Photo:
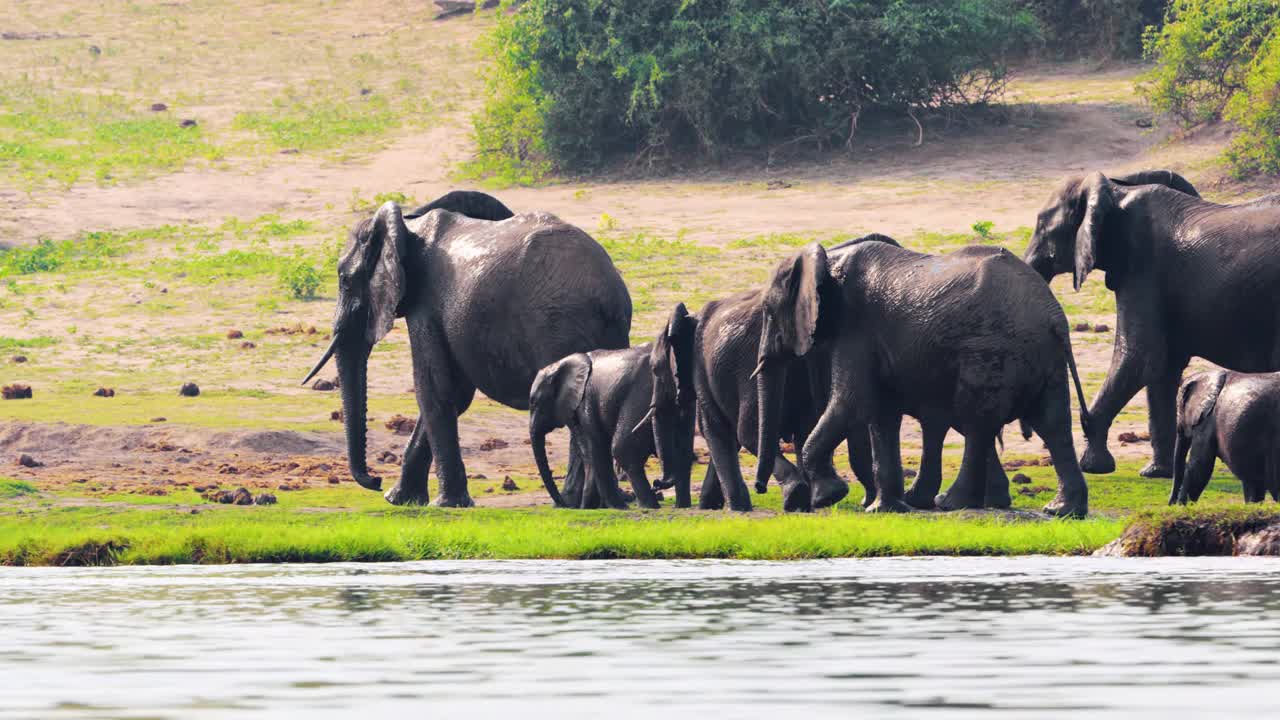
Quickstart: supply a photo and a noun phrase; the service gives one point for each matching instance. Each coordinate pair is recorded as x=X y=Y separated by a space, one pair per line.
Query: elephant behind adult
x=1233 y=416
x=487 y=302
x=1191 y=278
x=971 y=340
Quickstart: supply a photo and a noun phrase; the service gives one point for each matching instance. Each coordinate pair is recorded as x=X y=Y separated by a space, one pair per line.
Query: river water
x=929 y=637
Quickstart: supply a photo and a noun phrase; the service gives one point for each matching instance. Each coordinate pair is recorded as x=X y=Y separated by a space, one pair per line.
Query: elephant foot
x=869 y=492
x=919 y=498
x=797 y=497
x=663 y=484
x=883 y=505
x=709 y=503
x=1097 y=460
x=1064 y=506
x=462 y=500
x=401 y=495
x=829 y=492
x=369 y=482
x=958 y=499
x=762 y=487
x=1156 y=470
x=998 y=499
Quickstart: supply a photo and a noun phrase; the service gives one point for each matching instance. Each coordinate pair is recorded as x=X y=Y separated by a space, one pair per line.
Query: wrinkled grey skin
x=741 y=408
x=1233 y=416
x=487 y=303
x=1191 y=278
x=608 y=399
x=971 y=340
x=724 y=335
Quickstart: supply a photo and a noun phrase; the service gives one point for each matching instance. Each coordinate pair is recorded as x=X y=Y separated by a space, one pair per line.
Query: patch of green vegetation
x=326 y=118
x=784 y=241
x=300 y=279
x=10 y=489
x=274 y=534
x=48 y=134
x=90 y=251
x=8 y=344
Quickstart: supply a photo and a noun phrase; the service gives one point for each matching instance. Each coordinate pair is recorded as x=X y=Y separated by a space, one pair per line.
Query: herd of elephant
x=837 y=346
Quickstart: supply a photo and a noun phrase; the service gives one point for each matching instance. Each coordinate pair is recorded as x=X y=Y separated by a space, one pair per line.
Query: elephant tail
x=1085 y=419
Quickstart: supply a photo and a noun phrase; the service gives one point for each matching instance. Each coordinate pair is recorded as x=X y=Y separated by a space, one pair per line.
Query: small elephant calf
x=1230 y=415
x=621 y=406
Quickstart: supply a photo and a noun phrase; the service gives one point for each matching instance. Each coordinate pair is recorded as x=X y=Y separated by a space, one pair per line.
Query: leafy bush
x=1221 y=58
x=300 y=278
x=576 y=82
x=1108 y=28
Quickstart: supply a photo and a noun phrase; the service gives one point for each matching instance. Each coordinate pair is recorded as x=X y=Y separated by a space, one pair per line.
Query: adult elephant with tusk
x=971 y=340
x=488 y=298
x=1191 y=279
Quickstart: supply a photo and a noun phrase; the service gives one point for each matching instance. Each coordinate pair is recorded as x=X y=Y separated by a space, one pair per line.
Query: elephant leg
x=1124 y=380
x=997 y=495
x=1162 y=399
x=928 y=481
x=414 y=467
x=645 y=496
x=861 y=461
x=721 y=438
x=885 y=436
x=796 y=494
x=1052 y=422
x=712 y=495
x=441 y=394
x=1200 y=461
x=596 y=449
x=575 y=476
x=815 y=459
x=970 y=488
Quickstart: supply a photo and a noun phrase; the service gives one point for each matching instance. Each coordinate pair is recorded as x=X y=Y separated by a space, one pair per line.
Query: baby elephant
x=1229 y=415
x=621 y=406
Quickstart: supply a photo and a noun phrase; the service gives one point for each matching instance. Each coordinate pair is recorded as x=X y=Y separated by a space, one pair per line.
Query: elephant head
x=1073 y=233
x=371 y=286
x=798 y=312
x=1196 y=425
x=554 y=398
x=672 y=409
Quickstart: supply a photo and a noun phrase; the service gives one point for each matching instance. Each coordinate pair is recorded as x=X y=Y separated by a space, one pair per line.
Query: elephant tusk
x=647 y=417
x=327 y=354
x=757 y=371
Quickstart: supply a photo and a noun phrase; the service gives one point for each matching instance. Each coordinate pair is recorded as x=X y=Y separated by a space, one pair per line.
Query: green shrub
x=1106 y=28
x=300 y=278
x=1221 y=58
x=575 y=83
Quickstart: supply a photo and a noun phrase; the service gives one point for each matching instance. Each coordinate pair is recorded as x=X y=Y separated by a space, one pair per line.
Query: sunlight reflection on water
x=961 y=636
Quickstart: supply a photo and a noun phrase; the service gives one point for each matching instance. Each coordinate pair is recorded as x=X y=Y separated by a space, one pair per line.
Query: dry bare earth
x=1062 y=120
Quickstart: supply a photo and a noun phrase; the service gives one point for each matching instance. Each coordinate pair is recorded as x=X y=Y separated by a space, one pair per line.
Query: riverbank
x=110 y=536
x=65 y=522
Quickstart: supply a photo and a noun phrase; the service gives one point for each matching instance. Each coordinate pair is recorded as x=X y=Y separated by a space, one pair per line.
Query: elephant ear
x=571 y=376
x=1212 y=383
x=384 y=249
x=1099 y=200
x=796 y=298
x=675 y=345
x=1168 y=178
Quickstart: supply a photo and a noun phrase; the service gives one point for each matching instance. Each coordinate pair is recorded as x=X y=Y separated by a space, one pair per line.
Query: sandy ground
x=885 y=184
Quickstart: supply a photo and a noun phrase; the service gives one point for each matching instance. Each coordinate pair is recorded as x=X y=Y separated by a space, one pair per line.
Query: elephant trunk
x=353 y=367
x=769 y=385
x=538 y=441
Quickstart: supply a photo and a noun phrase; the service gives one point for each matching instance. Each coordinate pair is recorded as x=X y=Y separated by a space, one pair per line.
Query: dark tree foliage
x=576 y=82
